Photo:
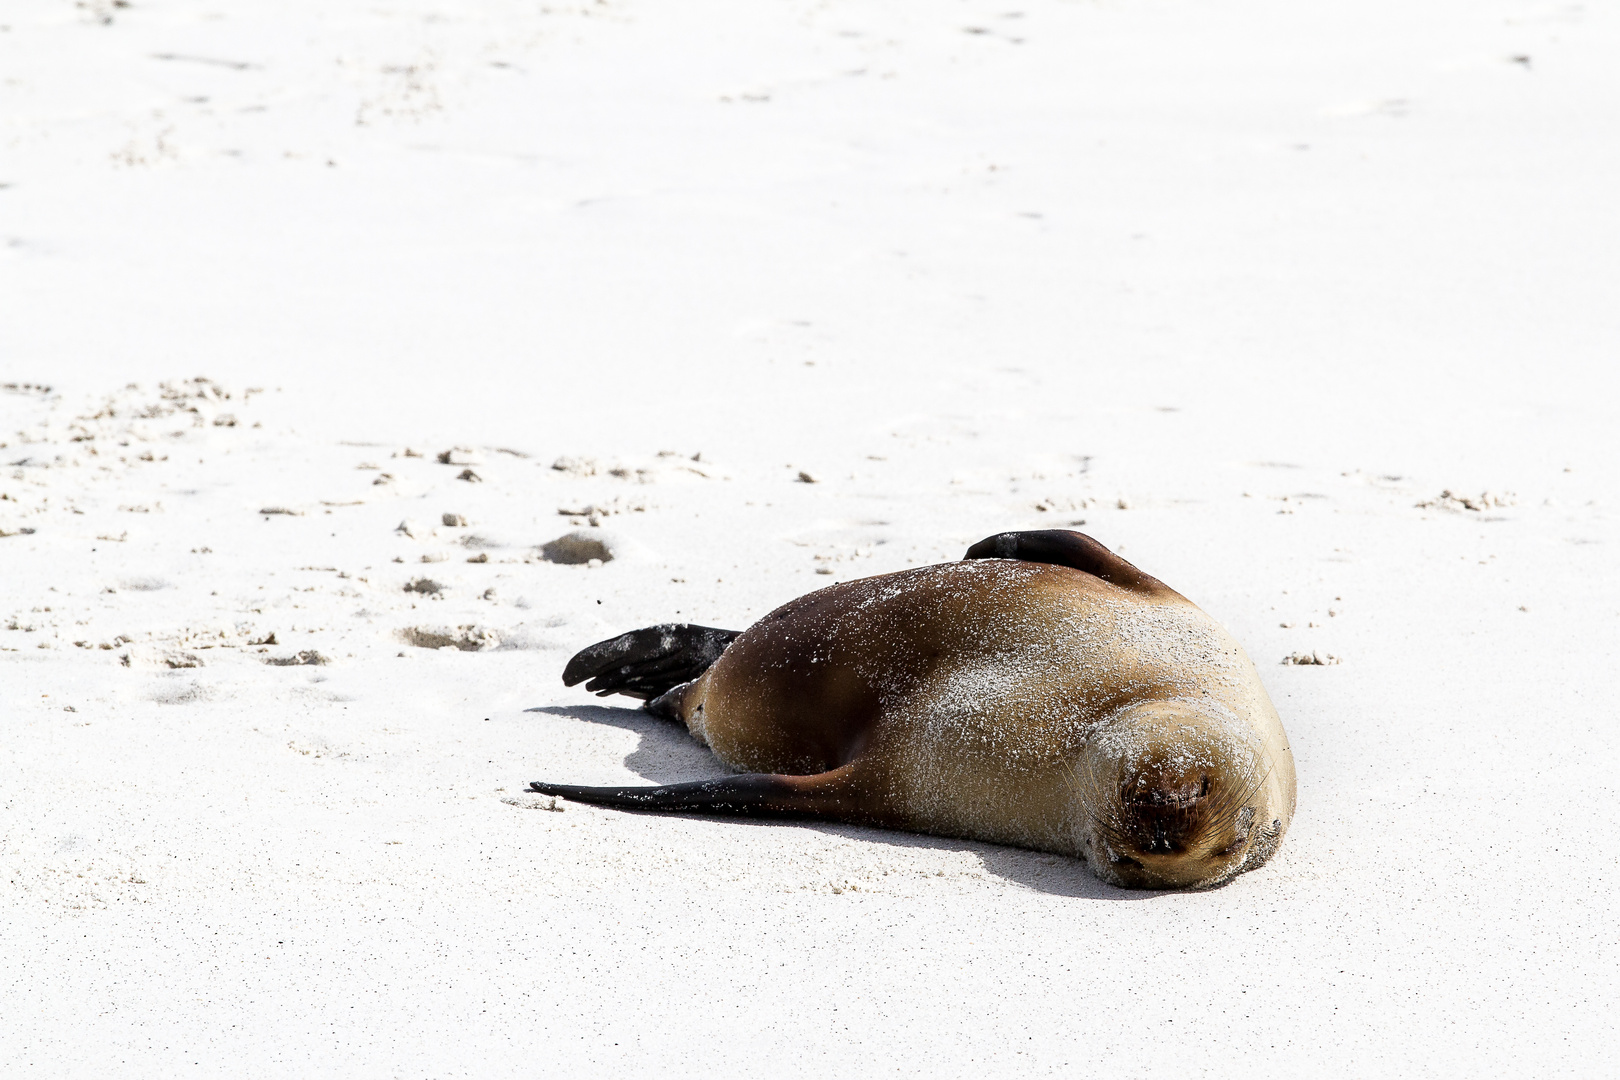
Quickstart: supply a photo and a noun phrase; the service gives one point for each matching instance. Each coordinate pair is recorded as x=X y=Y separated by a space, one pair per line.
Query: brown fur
x=1100 y=715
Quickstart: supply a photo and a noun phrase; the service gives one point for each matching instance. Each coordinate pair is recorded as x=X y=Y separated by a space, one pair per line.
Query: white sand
x=1239 y=285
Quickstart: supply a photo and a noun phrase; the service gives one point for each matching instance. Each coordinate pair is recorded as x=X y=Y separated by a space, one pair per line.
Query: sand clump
x=1485 y=500
x=302 y=658
x=668 y=465
x=1312 y=659
x=554 y=803
x=577 y=548
x=465 y=638
x=595 y=512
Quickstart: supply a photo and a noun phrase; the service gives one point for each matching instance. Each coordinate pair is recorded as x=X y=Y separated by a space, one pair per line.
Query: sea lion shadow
x=1056 y=875
x=667 y=754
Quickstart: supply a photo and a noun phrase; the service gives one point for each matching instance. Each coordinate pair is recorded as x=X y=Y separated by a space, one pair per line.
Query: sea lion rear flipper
x=824 y=795
x=646 y=663
x=1065 y=547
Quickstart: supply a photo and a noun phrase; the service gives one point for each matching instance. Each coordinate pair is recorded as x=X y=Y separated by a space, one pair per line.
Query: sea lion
x=1042 y=693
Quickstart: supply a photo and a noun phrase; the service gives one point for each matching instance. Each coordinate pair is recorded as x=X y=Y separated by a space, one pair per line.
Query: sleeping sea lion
x=1042 y=693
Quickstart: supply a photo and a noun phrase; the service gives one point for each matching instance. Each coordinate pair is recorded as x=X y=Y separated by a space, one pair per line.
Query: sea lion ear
x=1064 y=547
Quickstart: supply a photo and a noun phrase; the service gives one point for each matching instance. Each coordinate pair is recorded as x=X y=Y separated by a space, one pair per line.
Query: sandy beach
x=318 y=321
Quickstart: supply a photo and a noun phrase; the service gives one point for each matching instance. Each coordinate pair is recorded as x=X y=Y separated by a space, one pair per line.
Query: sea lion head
x=1175 y=795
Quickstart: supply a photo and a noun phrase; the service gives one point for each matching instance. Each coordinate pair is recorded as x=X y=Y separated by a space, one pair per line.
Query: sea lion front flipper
x=646 y=663
x=1065 y=547
x=824 y=795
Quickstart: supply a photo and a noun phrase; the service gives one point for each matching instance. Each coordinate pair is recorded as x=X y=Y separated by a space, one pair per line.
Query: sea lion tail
x=825 y=795
x=646 y=663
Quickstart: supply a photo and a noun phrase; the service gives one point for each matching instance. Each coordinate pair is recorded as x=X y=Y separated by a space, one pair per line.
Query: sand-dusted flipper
x=1065 y=547
x=646 y=663
x=824 y=795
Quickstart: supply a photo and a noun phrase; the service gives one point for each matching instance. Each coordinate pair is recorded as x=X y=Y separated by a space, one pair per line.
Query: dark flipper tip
x=645 y=663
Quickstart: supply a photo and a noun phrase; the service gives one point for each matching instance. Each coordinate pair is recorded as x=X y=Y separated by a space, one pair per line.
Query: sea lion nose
x=1161 y=813
x=1170 y=791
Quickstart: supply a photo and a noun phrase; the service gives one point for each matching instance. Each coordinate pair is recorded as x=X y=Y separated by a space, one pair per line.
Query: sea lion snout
x=1169 y=795
x=1162 y=811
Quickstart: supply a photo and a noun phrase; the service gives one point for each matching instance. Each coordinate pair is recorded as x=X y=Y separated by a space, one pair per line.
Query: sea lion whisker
x=1239 y=804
